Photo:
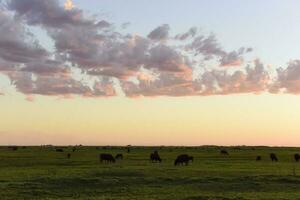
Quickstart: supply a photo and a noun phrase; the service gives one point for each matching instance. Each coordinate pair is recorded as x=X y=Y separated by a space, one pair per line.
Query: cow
x=258 y=158
x=119 y=156
x=273 y=157
x=154 y=157
x=106 y=158
x=224 y=152
x=59 y=150
x=13 y=148
x=183 y=159
x=297 y=157
x=68 y=155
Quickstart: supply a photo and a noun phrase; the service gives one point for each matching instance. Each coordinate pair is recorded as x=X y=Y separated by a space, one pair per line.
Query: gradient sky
x=232 y=96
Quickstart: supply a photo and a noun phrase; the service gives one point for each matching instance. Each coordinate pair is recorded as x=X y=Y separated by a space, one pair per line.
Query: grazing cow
x=258 y=158
x=74 y=149
x=59 y=150
x=119 y=156
x=297 y=157
x=224 y=152
x=13 y=148
x=69 y=155
x=154 y=157
x=183 y=159
x=107 y=158
x=273 y=157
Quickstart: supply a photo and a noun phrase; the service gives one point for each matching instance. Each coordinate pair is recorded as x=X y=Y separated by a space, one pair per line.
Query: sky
x=140 y=72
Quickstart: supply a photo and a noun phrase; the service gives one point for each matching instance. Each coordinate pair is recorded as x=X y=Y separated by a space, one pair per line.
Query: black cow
x=297 y=157
x=258 y=158
x=183 y=159
x=106 y=158
x=224 y=152
x=119 y=156
x=13 y=148
x=59 y=150
x=154 y=157
x=273 y=157
x=68 y=155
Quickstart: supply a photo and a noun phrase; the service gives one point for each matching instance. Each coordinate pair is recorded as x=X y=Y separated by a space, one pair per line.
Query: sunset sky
x=140 y=72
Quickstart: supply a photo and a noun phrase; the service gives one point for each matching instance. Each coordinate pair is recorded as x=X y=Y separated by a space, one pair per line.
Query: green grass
x=41 y=173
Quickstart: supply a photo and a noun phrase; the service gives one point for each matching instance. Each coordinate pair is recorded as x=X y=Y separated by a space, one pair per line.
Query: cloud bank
x=92 y=59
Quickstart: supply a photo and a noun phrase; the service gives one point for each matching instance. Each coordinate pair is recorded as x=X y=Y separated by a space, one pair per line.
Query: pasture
x=44 y=174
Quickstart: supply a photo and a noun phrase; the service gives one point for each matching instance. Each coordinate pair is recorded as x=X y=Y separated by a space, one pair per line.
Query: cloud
x=209 y=48
x=166 y=58
x=46 y=67
x=288 y=80
x=69 y=5
x=160 y=33
x=253 y=79
x=234 y=58
x=31 y=84
x=116 y=55
x=91 y=58
x=206 y=46
x=6 y=66
x=48 y=13
x=166 y=84
x=189 y=34
x=16 y=44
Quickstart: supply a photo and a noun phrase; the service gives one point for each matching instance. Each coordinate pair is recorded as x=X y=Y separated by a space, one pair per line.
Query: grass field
x=41 y=173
